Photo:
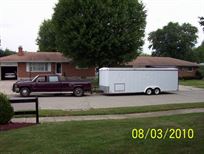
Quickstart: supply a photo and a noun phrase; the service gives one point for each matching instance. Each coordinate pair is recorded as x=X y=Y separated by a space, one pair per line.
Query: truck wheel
x=25 y=92
x=78 y=91
x=156 y=91
x=149 y=91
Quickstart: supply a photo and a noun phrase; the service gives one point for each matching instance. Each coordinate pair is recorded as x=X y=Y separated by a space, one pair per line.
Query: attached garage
x=8 y=71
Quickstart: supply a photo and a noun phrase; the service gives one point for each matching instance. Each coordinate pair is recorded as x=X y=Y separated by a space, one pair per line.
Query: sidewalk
x=108 y=117
x=188 y=88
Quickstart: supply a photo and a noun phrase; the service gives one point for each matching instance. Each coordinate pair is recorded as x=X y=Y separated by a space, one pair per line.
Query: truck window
x=41 y=79
x=53 y=79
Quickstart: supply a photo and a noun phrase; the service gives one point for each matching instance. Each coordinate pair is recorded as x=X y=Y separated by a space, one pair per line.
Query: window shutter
x=49 y=67
x=27 y=67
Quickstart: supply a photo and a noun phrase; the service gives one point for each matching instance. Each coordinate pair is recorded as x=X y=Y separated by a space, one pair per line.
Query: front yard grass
x=105 y=136
x=121 y=110
x=194 y=83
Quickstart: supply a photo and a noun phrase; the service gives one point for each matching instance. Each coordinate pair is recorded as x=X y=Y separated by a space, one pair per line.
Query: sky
x=20 y=19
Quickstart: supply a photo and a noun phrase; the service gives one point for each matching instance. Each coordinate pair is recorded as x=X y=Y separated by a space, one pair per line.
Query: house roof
x=36 y=57
x=143 y=61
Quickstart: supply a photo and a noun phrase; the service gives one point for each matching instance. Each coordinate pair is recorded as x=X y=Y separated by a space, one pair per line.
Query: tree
x=99 y=33
x=6 y=52
x=46 y=36
x=174 y=40
x=201 y=22
x=199 y=53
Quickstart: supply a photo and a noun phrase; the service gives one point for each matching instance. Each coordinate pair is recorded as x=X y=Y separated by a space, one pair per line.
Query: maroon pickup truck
x=51 y=83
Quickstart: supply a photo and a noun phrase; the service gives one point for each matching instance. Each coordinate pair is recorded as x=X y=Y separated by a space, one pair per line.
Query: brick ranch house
x=27 y=65
x=186 y=69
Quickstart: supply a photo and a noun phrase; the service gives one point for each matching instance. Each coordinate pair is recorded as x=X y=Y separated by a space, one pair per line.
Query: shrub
x=198 y=75
x=201 y=70
x=6 y=110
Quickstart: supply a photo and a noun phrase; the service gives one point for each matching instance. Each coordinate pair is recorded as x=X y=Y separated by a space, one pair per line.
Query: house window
x=38 y=67
x=182 y=69
x=190 y=69
x=58 y=68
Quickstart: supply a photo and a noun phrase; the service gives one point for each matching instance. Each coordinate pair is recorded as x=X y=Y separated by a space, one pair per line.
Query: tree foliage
x=6 y=52
x=199 y=54
x=99 y=33
x=46 y=36
x=201 y=22
x=174 y=40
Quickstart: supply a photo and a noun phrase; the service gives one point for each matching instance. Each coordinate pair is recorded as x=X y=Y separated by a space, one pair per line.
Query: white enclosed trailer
x=136 y=80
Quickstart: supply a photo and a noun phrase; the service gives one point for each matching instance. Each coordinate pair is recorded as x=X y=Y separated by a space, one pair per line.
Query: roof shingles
x=143 y=61
x=36 y=57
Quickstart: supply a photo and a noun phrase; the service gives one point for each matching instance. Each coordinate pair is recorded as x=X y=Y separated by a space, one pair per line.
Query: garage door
x=8 y=73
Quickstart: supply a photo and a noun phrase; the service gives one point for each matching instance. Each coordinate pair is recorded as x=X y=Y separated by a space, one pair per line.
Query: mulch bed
x=14 y=125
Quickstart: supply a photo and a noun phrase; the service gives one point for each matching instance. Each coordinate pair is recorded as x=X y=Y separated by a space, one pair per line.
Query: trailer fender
x=152 y=87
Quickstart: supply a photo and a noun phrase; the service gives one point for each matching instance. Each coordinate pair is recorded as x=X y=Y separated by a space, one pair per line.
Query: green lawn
x=194 y=83
x=106 y=136
x=122 y=110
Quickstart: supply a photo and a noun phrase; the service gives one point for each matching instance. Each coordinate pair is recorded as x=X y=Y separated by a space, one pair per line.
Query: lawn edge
x=120 y=110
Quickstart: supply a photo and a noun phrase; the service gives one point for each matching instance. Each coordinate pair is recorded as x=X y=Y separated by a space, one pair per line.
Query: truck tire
x=25 y=92
x=149 y=91
x=78 y=91
x=156 y=91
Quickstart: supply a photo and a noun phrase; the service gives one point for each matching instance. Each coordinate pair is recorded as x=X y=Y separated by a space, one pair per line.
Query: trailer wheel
x=25 y=92
x=78 y=91
x=149 y=91
x=156 y=91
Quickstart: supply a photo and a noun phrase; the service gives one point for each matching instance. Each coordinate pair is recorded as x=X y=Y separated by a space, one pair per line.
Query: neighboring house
x=26 y=65
x=186 y=69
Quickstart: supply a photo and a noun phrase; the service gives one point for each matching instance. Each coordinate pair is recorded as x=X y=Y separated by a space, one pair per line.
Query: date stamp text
x=168 y=133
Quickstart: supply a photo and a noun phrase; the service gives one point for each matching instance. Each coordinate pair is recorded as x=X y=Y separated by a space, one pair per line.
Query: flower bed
x=14 y=125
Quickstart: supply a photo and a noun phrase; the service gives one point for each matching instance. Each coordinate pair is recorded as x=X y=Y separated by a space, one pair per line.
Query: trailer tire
x=157 y=91
x=78 y=92
x=149 y=91
x=24 y=92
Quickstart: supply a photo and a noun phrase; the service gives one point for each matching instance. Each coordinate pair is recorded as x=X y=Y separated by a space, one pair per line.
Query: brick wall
x=23 y=74
x=68 y=70
x=185 y=72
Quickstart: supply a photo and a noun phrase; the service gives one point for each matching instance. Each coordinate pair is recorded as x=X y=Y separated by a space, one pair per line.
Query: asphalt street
x=103 y=101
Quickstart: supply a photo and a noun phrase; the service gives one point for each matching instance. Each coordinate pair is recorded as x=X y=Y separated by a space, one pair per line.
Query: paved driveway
x=6 y=87
x=69 y=102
